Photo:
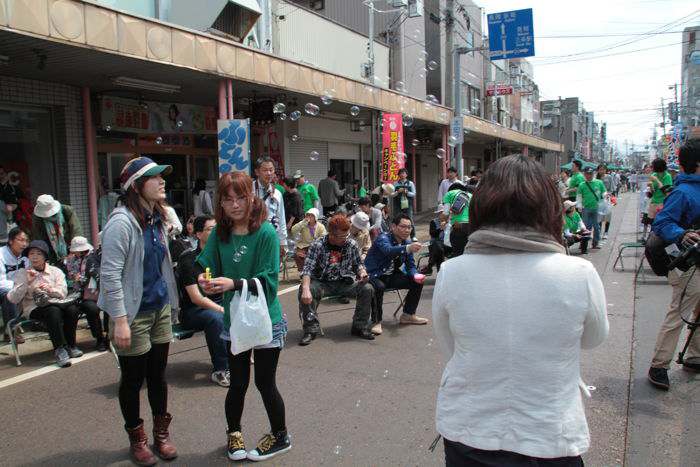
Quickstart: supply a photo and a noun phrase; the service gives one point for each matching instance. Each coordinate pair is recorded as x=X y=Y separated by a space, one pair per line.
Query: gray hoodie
x=121 y=270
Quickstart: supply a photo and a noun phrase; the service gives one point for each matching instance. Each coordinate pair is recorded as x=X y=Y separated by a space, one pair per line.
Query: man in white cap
x=56 y=224
x=309 y=195
x=359 y=231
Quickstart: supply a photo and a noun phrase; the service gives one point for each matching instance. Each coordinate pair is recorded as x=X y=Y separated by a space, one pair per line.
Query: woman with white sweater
x=511 y=316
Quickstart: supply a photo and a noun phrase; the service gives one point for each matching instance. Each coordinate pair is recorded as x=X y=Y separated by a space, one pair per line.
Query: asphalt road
x=354 y=402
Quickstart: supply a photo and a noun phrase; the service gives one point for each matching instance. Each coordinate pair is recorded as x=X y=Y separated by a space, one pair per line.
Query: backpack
x=460 y=202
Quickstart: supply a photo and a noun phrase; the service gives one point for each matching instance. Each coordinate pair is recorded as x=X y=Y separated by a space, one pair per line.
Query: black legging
x=265 y=371
x=151 y=367
x=60 y=321
x=92 y=315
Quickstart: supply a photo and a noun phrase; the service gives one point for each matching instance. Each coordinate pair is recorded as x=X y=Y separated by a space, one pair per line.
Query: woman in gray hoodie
x=137 y=290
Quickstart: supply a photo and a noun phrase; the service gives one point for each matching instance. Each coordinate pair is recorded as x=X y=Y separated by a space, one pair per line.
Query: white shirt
x=9 y=265
x=511 y=327
x=275 y=209
x=202 y=204
x=443 y=189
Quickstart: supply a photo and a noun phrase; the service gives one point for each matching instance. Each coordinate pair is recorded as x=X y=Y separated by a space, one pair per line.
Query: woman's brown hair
x=241 y=185
x=132 y=200
x=516 y=191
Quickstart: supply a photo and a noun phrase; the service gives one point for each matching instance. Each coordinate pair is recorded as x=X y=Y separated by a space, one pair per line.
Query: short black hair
x=452 y=169
x=332 y=173
x=356 y=182
x=364 y=201
x=15 y=231
x=264 y=159
x=689 y=156
x=200 y=222
x=399 y=217
x=577 y=163
x=659 y=165
x=290 y=182
x=403 y=169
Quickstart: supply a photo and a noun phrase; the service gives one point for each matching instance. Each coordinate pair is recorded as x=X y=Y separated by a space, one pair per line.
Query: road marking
x=50 y=368
x=46 y=369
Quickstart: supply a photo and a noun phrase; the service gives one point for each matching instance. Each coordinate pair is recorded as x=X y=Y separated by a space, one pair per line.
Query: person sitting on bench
x=333 y=267
x=200 y=312
x=390 y=253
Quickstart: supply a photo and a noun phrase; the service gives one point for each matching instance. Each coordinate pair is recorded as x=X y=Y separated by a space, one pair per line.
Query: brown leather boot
x=140 y=453
x=161 y=437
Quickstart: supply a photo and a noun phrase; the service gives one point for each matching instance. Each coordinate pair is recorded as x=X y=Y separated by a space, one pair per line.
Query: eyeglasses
x=342 y=235
x=238 y=200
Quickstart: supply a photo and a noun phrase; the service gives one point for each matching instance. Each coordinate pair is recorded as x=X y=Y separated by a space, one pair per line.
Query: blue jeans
x=212 y=323
x=9 y=309
x=590 y=218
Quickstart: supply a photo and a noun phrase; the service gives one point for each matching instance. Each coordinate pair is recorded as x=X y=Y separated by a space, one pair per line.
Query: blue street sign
x=511 y=34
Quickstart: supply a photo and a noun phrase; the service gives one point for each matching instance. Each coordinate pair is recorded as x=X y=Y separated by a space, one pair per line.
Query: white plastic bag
x=250 y=320
x=604 y=207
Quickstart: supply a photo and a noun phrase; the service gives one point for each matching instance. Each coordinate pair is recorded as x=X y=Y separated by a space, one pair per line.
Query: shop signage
x=500 y=90
x=393 y=157
x=457 y=129
x=234 y=145
x=133 y=116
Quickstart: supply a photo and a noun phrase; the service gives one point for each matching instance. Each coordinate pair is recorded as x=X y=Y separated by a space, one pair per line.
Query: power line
x=610 y=55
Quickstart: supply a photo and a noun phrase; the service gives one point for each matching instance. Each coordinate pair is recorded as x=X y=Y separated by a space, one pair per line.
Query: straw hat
x=46 y=206
x=360 y=221
x=79 y=244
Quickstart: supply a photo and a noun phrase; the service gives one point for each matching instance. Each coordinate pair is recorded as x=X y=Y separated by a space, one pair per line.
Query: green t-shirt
x=658 y=196
x=576 y=179
x=462 y=217
x=279 y=188
x=260 y=258
x=362 y=192
x=309 y=195
x=572 y=222
x=590 y=200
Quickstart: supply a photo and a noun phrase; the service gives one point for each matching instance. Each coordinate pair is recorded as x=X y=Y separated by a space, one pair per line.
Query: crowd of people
x=492 y=227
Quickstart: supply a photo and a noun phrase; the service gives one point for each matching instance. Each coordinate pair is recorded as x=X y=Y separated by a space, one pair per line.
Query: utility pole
x=663 y=117
x=449 y=46
x=370 y=46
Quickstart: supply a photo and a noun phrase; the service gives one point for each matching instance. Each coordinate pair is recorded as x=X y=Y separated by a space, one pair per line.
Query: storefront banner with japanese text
x=393 y=157
x=234 y=145
x=134 y=116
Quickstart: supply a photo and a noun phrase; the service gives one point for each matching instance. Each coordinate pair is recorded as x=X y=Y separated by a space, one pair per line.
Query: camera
x=689 y=258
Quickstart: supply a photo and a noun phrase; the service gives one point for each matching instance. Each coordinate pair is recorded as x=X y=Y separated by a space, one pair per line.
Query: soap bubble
x=294 y=116
x=386 y=373
x=432 y=65
x=108 y=127
x=314 y=155
x=415 y=142
x=466 y=111
x=159 y=140
x=432 y=99
x=311 y=109
x=421 y=75
x=452 y=141
x=440 y=153
x=354 y=111
x=407 y=120
x=357 y=404
x=180 y=123
x=443 y=115
x=337 y=450
x=400 y=86
x=294 y=138
x=283 y=116
x=327 y=99
x=279 y=107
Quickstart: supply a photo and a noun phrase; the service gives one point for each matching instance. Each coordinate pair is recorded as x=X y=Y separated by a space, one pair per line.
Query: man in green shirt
x=658 y=181
x=574 y=228
x=456 y=205
x=576 y=179
x=589 y=194
x=308 y=192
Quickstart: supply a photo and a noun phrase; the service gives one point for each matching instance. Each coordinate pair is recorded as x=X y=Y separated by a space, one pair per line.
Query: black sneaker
x=271 y=445
x=236 y=447
x=307 y=338
x=659 y=378
x=364 y=333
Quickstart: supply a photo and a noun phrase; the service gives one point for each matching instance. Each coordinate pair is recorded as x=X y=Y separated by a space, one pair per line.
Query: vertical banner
x=393 y=156
x=234 y=145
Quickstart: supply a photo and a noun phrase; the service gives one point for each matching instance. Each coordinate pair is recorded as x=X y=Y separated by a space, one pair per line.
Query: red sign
x=393 y=157
x=500 y=90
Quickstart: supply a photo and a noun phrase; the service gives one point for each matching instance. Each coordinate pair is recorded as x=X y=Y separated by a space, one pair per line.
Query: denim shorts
x=279 y=336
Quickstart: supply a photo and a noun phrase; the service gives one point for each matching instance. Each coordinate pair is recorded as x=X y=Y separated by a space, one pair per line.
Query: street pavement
x=354 y=402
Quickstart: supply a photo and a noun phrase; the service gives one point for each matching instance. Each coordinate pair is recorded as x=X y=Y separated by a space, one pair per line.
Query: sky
x=624 y=89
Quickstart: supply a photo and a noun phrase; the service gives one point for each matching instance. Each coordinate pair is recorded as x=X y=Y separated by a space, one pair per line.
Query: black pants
x=151 y=367
x=459 y=236
x=60 y=321
x=437 y=251
x=265 y=373
x=398 y=280
x=92 y=315
x=460 y=455
x=329 y=211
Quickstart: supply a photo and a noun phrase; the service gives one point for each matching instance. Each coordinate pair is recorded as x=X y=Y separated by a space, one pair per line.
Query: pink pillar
x=413 y=175
x=446 y=159
x=526 y=151
x=222 y=100
x=229 y=85
x=89 y=131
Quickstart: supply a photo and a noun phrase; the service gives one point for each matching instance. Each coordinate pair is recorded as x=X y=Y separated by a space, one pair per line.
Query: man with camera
x=676 y=224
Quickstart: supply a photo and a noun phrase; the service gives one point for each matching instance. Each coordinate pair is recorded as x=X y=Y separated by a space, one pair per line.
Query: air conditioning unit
x=415 y=8
x=399 y=3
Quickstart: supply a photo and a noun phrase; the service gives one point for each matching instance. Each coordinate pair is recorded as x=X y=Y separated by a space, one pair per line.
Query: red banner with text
x=393 y=156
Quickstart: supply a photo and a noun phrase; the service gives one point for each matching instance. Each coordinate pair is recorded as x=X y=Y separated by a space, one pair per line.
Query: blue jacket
x=381 y=256
x=681 y=209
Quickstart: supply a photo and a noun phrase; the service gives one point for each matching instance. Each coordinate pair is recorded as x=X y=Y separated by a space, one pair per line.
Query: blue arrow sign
x=511 y=34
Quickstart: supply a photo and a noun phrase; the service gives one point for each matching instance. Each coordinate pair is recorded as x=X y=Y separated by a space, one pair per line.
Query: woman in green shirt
x=574 y=229
x=244 y=246
x=658 y=181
